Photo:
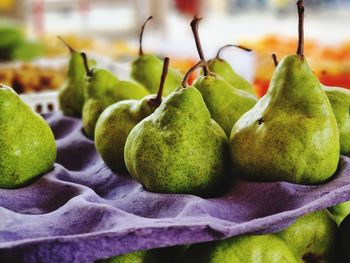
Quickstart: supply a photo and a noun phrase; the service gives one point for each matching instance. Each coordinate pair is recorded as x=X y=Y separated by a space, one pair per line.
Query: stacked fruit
x=188 y=142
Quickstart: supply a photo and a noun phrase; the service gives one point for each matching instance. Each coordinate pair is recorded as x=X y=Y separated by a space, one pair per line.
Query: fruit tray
x=81 y=211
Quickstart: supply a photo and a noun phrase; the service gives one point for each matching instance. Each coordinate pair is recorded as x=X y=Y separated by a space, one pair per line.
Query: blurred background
x=33 y=59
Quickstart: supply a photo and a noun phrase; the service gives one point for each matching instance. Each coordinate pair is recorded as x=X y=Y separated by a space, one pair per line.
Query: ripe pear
x=340 y=211
x=179 y=148
x=242 y=249
x=27 y=144
x=147 y=69
x=71 y=94
x=116 y=122
x=103 y=89
x=225 y=102
x=340 y=102
x=222 y=68
x=291 y=134
x=312 y=237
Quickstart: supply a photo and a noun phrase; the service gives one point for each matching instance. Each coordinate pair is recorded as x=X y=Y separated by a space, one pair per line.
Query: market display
x=172 y=167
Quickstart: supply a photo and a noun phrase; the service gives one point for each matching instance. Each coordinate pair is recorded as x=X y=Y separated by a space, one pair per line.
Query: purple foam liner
x=81 y=211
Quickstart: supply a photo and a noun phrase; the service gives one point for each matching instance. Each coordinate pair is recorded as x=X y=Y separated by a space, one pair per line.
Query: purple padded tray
x=81 y=211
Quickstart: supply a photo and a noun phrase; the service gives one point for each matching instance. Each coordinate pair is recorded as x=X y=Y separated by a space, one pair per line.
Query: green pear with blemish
x=225 y=102
x=222 y=68
x=179 y=148
x=147 y=70
x=291 y=134
x=27 y=144
x=116 y=122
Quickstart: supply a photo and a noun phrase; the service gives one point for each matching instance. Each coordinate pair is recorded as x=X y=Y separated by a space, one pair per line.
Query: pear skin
x=178 y=148
x=27 y=144
x=293 y=123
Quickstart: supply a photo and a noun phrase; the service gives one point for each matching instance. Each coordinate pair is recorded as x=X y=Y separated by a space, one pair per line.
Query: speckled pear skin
x=179 y=148
x=222 y=68
x=313 y=237
x=71 y=94
x=147 y=69
x=242 y=249
x=27 y=144
x=114 y=126
x=340 y=102
x=225 y=103
x=104 y=89
x=291 y=134
x=134 y=257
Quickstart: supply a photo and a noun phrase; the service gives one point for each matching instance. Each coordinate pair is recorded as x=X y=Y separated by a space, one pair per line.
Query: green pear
x=147 y=69
x=179 y=148
x=116 y=122
x=344 y=240
x=312 y=237
x=222 y=68
x=241 y=249
x=225 y=102
x=103 y=89
x=291 y=134
x=340 y=102
x=27 y=144
x=71 y=94
x=340 y=211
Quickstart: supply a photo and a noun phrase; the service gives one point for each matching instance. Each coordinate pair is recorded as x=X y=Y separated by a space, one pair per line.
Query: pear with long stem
x=225 y=102
x=147 y=69
x=291 y=134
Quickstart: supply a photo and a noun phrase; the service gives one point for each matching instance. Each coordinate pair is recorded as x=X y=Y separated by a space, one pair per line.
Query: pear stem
x=226 y=46
x=86 y=64
x=66 y=44
x=194 y=26
x=274 y=58
x=158 y=99
x=184 y=82
x=141 y=35
x=300 y=50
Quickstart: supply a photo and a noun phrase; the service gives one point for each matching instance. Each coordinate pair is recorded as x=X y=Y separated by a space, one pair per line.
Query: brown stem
x=238 y=46
x=86 y=64
x=300 y=50
x=141 y=35
x=184 y=82
x=274 y=58
x=194 y=26
x=66 y=44
x=155 y=102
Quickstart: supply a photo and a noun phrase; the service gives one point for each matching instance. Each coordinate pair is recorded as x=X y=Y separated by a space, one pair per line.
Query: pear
x=27 y=144
x=179 y=148
x=312 y=237
x=116 y=122
x=222 y=68
x=103 y=89
x=242 y=249
x=340 y=102
x=340 y=211
x=291 y=134
x=147 y=69
x=225 y=102
x=71 y=94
